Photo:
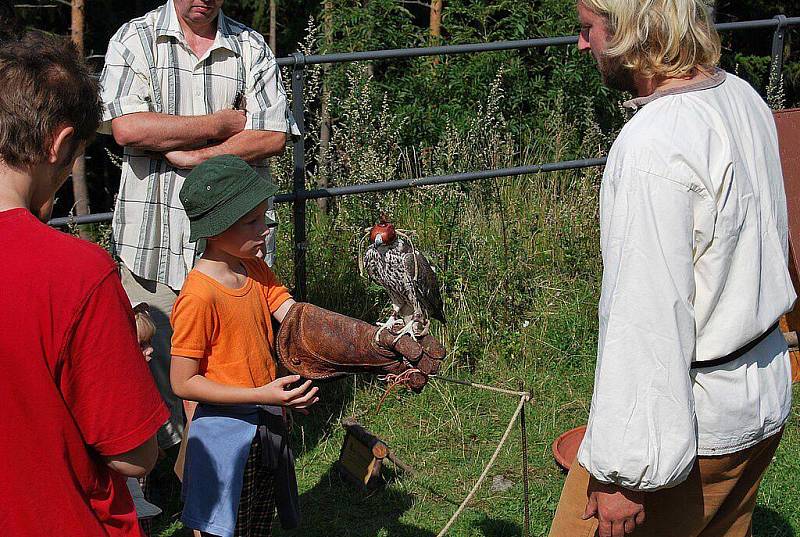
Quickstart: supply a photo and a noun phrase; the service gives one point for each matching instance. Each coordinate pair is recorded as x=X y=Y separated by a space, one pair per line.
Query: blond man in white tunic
x=692 y=387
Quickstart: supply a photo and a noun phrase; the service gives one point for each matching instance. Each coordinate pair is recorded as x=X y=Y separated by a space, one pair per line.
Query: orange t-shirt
x=229 y=330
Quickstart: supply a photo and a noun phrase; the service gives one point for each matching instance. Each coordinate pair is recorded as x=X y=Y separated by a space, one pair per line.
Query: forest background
x=518 y=258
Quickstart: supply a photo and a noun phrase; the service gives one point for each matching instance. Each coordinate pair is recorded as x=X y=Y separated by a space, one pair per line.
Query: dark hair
x=44 y=84
x=9 y=25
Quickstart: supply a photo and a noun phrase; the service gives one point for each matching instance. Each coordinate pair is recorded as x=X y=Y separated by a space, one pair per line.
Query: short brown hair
x=44 y=84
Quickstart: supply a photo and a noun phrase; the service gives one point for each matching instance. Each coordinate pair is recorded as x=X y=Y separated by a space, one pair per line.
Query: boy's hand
x=147 y=351
x=278 y=393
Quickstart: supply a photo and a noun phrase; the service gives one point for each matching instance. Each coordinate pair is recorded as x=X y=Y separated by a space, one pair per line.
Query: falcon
x=395 y=264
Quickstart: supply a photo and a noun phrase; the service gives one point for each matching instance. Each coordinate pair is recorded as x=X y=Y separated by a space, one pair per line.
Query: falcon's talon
x=421 y=332
x=389 y=323
x=408 y=329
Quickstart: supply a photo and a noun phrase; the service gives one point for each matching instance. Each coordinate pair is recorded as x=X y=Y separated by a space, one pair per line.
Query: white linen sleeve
x=642 y=428
x=124 y=84
x=267 y=107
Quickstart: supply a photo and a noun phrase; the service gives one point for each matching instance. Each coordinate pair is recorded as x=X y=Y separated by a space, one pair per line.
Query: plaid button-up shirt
x=149 y=67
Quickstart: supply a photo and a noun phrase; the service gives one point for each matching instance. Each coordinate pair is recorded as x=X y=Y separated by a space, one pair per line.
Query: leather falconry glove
x=319 y=344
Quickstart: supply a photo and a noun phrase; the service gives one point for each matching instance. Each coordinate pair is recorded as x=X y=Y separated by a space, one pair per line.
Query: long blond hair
x=659 y=38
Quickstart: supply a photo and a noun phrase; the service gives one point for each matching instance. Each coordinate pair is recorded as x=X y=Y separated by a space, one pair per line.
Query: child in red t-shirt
x=223 y=355
x=80 y=409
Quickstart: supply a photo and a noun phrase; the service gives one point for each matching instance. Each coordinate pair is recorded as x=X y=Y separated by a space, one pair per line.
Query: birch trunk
x=436 y=26
x=273 y=26
x=436 y=20
x=80 y=190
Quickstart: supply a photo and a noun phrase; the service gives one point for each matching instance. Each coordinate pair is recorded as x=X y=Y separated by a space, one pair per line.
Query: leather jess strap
x=737 y=353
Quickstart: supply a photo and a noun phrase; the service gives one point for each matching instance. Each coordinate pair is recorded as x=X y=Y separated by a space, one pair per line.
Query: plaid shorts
x=257 y=502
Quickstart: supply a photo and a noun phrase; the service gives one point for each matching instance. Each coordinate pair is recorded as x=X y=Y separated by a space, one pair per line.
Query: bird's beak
x=378 y=240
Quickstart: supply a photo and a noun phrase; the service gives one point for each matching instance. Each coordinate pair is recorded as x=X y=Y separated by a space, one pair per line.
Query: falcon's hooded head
x=382 y=233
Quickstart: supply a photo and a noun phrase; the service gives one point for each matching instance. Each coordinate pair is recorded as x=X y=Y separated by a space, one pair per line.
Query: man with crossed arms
x=180 y=85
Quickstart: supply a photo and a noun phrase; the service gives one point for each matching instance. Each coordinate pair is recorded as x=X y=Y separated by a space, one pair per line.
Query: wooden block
x=362 y=456
x=358 y=464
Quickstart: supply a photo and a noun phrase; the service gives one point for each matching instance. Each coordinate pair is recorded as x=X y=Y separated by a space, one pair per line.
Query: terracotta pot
x=565 y=448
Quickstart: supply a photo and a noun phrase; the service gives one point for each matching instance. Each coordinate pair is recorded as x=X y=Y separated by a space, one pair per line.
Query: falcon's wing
x=426 y=286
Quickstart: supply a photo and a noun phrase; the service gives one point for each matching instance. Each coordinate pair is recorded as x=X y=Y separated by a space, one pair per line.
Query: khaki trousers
x=716 y=500
x=160 y=298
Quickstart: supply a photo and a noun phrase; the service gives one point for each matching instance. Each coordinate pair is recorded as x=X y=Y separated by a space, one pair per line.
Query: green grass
x=521 y=312
x=447 y=435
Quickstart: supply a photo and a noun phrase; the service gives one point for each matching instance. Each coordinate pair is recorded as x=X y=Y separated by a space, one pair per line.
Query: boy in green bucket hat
x=238 y=466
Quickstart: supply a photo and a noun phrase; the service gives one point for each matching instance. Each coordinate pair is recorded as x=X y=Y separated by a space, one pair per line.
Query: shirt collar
x=717 y=77
x=226 y=37
x=168 y=25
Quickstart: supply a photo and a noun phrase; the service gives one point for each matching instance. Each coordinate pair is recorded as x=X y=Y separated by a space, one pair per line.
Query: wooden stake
x=400 y=464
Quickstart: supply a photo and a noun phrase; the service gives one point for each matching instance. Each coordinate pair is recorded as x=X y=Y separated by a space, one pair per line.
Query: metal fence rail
x=299 y=195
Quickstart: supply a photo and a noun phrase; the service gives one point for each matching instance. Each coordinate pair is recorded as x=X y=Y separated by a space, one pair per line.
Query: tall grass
x=518 y=263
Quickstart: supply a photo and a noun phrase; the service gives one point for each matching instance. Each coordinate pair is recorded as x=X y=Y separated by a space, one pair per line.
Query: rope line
x=481 y=386
x=524 y=397
x=522 y=400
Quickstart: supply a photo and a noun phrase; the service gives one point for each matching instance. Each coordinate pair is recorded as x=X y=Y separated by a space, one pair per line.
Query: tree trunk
x=436 y=20
x=80 y=190
x=273 y=26
x=370 y=63
x=436 y=26
x=324 y=108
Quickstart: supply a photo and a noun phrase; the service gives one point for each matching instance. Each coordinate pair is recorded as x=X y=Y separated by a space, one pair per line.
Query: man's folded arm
x=152 y=131
x=249 y=145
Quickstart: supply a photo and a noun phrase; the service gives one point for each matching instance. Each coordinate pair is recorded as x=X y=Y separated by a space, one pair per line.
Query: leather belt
x=737 y=353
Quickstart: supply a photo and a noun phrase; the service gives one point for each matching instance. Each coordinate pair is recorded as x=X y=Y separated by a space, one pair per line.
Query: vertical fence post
x=299 y=176
x=526 y=509
x=776 y=68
